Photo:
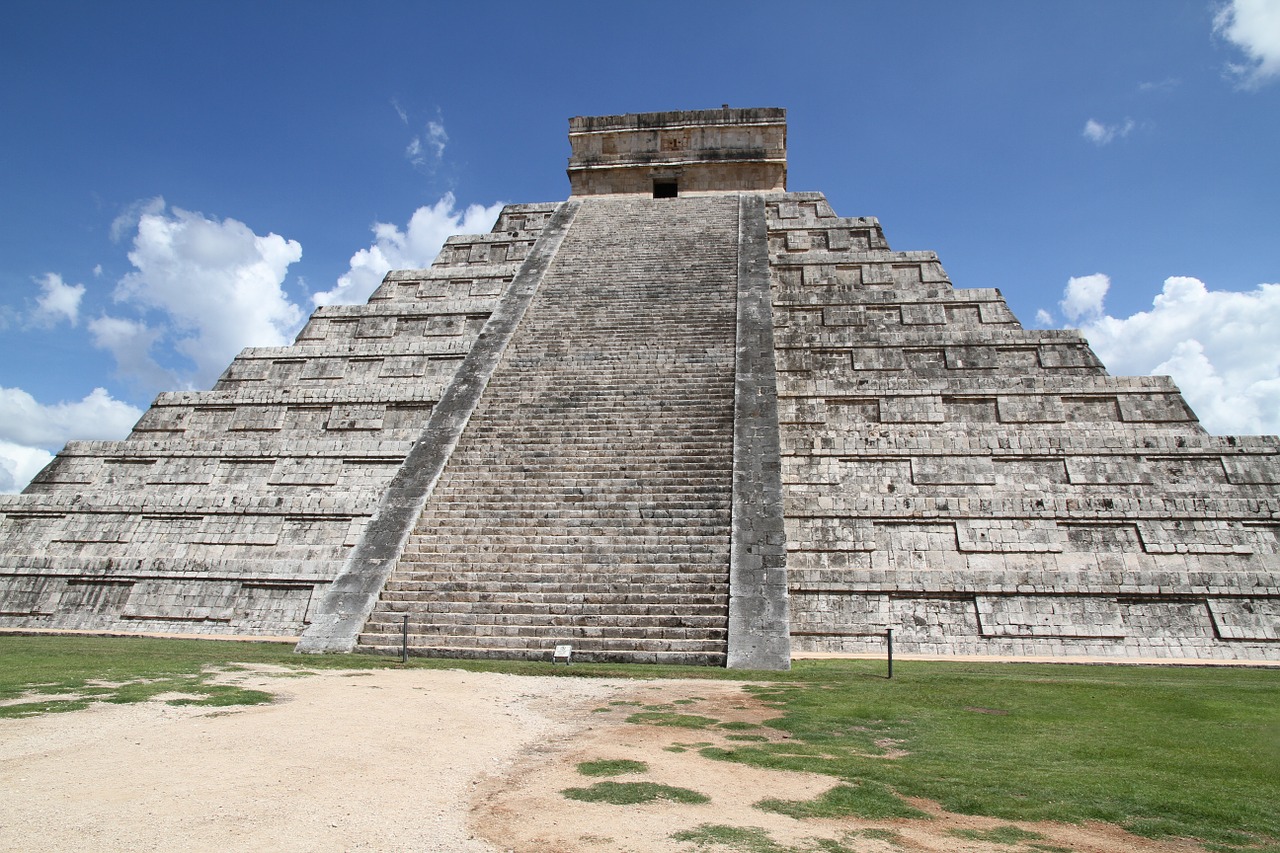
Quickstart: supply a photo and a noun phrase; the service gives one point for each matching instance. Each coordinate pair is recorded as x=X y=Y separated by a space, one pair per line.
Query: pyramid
x=684 y=416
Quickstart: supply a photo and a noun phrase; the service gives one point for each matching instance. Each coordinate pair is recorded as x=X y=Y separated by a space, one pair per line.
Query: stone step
x=583 y=639
x=681 y=600
x=705 y=599
x=544 y=580
x=582 y=653
x=591 y=554
x=596 y=472
x=528 y=623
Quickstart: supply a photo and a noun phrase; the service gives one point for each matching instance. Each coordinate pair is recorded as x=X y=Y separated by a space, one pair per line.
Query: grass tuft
x=1007 y=834
x=750 y=839
x=612 y=767
x=633 y=793
x=667 y=718
x=869 y=800
x=889 y=836
x=747 y=839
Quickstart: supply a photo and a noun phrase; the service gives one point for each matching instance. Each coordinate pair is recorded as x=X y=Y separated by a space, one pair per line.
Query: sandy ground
x=424 y=760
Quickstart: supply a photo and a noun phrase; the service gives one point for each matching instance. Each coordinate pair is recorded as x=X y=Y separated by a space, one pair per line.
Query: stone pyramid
x=684 y=416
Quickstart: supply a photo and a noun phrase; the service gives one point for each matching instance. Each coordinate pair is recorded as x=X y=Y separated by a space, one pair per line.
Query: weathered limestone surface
x=231 y=510
x=352 y=596
x=589 y=499
x=743 y=150
x=980 y=488
x=715 y=426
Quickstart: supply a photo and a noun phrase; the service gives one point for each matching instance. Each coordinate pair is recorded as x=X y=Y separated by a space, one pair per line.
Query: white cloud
x=437 y=138
x=130 y=342
x=1219 y=346
x=1084 y=295
x=1164 y=86
x=413 y=248
x=1253 y=26
x=19 y=464
x=216 y=285
x=427 y=149
x=57 y=301
x=27 y=422
x=124 y=224
x=1102 y=134
x=29 y=429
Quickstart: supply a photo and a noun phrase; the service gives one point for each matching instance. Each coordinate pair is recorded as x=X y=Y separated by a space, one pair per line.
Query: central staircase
x=588 y=500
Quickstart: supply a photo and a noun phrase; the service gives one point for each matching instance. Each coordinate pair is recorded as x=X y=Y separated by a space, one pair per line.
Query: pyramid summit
x=683 y=416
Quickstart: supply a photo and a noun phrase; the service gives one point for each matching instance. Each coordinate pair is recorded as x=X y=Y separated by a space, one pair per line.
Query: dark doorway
x=665 y=189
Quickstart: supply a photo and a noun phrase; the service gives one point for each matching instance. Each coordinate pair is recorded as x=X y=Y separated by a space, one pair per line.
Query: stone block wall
x=231 y=510
x=726 y=150
x=981 y=488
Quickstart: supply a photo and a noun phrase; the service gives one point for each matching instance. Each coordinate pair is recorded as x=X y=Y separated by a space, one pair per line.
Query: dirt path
x=423 y=760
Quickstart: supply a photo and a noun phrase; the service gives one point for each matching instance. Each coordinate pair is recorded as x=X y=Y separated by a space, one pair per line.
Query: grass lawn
x=1158 y=750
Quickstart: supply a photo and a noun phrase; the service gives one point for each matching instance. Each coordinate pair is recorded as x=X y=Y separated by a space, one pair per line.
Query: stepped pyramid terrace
x=684 y=416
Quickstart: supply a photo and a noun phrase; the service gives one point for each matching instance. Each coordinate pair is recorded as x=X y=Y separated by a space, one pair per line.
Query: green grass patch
x=1007 y=834
x=43 y=675
x=611 y=767
x=738 y=726
x=633 y=793
x=748 y=738
x=1160 y=751
x=870 y=800
x=668 y=718
x=750 y=839
x=747 y=839
x=889 y=836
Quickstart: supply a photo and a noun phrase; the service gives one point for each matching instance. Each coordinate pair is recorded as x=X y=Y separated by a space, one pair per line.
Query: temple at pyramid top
x=669 y=154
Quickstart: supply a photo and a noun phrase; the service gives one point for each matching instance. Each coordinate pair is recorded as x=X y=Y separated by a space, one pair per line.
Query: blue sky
x=179 y=180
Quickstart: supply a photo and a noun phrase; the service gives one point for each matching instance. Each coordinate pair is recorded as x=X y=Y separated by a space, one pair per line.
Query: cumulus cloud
x=58 y=301
x=215 y=285
x=413 y=248
x=1103 y=134
x=130 y=343
x=125 y=224
x=1219 y=346
x=1252 y=26
x=29 y=429
x=19 y=464
x=1084 y=296
x=25 y=421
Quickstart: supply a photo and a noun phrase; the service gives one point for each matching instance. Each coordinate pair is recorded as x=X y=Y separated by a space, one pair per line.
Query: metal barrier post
x=404 y=641
x=888 y=638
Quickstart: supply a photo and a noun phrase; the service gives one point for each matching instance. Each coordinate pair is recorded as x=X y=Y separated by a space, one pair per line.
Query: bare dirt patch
x=430 y=760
